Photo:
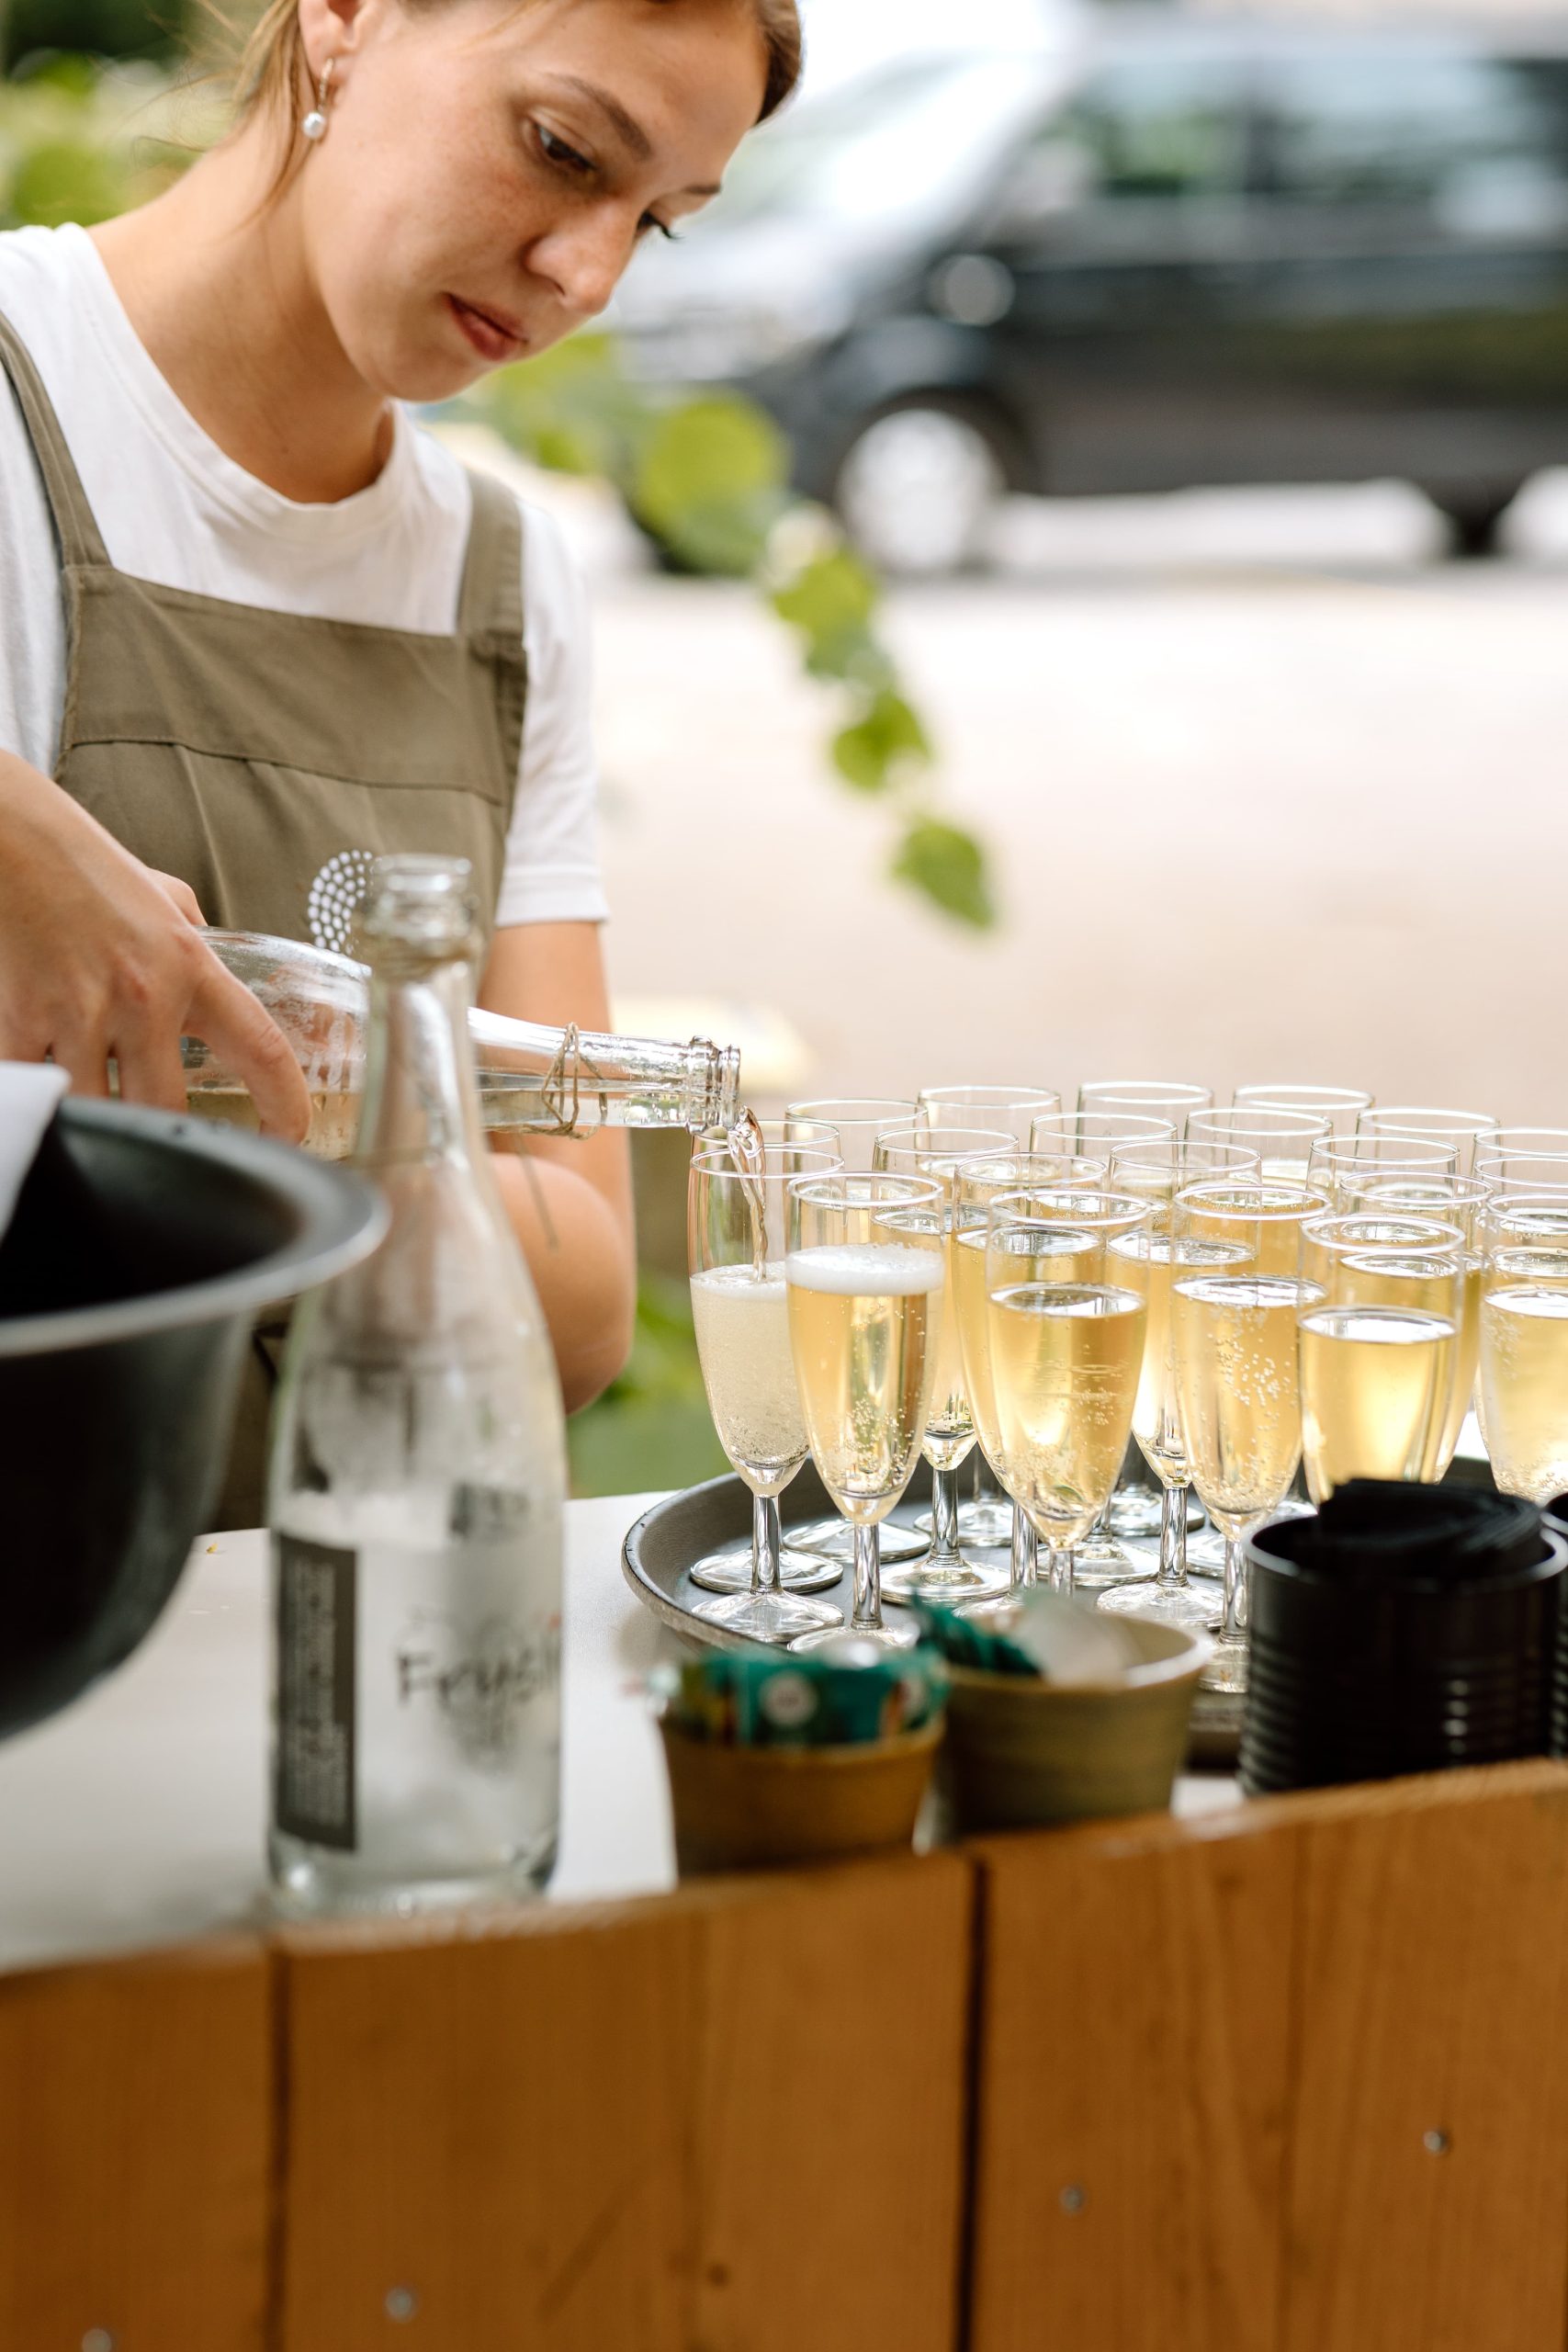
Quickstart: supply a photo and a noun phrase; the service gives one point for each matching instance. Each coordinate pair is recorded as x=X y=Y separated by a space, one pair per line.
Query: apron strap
x=491 y=600
x=81 y=543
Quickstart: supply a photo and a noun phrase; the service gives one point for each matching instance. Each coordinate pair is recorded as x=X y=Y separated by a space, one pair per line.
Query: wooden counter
x=1282 y=2078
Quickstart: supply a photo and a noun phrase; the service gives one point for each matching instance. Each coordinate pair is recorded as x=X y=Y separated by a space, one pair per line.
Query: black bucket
x=1406 y=1629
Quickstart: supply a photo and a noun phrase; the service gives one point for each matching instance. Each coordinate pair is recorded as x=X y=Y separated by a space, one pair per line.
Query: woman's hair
x=272 y=71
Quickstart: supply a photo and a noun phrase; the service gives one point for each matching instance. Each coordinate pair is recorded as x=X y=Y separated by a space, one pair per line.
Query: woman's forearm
x=583 y=1267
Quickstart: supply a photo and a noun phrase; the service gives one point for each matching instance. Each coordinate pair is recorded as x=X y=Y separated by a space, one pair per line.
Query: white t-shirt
x=172 y=508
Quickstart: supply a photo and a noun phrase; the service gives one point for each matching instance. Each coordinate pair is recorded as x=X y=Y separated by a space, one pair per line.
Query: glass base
x=1227 y=1670
x=770 y=1616
x=798 y=1571
x=894 y=1633
x=943 y=1587
x=835 y=1538
x=1099 y=1560
x=985 y=1525
x=1187 y=1605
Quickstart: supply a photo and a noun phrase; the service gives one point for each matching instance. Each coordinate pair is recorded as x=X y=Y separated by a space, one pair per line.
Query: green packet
x=962 y=1641
x=853 y=1694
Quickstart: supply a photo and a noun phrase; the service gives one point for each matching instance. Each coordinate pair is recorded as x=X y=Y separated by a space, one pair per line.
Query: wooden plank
x=645 y=2128
x=488 y=2129
x=1433 y=1944
x=833 y=2108
x=1131 y=2088
x=135 y=2152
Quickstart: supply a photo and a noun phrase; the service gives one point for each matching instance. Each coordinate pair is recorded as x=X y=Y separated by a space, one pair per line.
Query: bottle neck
x=421 y=1096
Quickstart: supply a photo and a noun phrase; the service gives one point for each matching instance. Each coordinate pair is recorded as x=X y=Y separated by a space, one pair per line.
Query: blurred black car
x=1165 y=253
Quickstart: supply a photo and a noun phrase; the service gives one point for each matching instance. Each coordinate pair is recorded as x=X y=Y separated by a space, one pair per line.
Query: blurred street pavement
x=1270 y=790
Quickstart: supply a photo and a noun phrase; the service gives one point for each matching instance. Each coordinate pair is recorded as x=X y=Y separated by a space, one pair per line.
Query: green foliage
x=651 y=1428
x=947 y=865
x=709 y=478
x=82 y=142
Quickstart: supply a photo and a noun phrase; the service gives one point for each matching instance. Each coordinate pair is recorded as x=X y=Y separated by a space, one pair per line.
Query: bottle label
x=314 y=1796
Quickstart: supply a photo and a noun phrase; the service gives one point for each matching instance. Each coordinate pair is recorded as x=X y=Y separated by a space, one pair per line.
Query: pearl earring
x=315 y=123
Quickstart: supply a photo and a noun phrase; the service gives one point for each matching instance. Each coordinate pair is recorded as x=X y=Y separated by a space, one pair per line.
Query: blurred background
x=1079 y=535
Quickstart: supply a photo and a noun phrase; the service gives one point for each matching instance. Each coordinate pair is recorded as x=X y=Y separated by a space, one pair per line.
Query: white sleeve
x=552 y=857
x=32 y=610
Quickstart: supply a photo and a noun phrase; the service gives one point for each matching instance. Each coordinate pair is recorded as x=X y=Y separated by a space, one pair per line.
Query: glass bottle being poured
x=533 y=1080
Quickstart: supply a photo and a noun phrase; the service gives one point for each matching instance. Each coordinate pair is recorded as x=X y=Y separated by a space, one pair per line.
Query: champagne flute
x=1100 y=1557
x=987 y=1521
x=818 y=1135
x=1458 y=1201
x=1524 y=1371
x=1238 y=1412
x=1158 y=1171
x=864 y=1275
x=1466 y=1130
x=995 y=1225
x=736 y=1227
x=942 y=1575
x=1325 y=1237
x=1065 y=1360
x=1008 y=1107
x=1378 y=1363
x=1093 y=1134
x=1157 y=1098
x=1234 y=1343
x=1283 y=1140
x=1340 y=1105
x=1519 y=1171
x=1152 y=1263
x=1503 y=1152
x=856 y=1120
x=1341 y=1169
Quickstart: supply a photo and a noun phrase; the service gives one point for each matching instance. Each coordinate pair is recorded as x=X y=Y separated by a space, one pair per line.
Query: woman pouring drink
x=258 y=627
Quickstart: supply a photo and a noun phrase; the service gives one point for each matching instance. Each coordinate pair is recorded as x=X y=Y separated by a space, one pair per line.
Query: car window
x=1169 y=128
x=1474 y=144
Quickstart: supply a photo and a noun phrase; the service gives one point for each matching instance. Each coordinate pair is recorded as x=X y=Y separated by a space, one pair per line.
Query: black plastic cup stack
x=1403 y=1629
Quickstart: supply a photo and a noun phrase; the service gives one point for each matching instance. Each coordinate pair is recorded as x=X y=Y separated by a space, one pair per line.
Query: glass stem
x=765 y=1543
x=1025 y=1551
x=1063 y=1570
x=944 y=1555
x=975 y=1483
x=1233 y=1626
x=867 y=1614
x=1172 y=1539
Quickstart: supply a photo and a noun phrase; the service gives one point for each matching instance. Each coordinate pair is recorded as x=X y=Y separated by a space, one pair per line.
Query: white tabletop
x=136 y=1818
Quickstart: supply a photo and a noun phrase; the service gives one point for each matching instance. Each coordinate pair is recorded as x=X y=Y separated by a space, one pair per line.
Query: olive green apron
x=266 y=758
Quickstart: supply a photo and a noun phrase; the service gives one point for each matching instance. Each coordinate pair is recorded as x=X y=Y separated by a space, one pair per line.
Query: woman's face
x=490 y=168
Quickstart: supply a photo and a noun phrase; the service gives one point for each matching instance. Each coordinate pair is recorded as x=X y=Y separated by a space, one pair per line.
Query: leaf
x=710 y=480
x=835 y=595
x=949 y=866
x=890 y=736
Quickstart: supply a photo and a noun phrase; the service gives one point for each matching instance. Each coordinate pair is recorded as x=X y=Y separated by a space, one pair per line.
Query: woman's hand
x=99 y=956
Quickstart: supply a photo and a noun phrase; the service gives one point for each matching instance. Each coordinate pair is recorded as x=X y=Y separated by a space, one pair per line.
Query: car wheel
x=917 y=488
x=1475 y=523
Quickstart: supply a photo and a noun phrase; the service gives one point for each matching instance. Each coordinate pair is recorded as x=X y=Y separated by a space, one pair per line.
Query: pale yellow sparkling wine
x=1381 y=1281
x=860 y=1319
x=1374 y=1381
x=1145 y=1262
x=1524 y=1386
x=1238 y=1388
x=950 y=1429
x=334 y=1118
x=1060 y=1257
x=742 y=1327
x=1064 y=1364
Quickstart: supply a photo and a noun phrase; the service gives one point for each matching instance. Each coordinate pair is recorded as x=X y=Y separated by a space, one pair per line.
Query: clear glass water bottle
x=417 y=1485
